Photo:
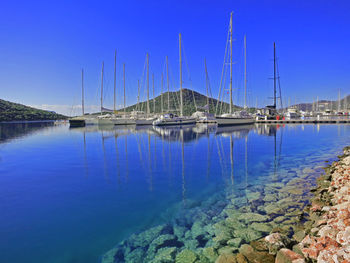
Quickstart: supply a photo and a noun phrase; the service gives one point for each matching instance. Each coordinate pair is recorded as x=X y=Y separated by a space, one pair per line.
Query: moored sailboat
x=173 y=119
x=233 y=118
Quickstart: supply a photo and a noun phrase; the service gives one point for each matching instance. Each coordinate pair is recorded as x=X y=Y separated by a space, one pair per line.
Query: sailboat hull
x=174 y=121
x=227 y=121
x=116 y=121
x=148 y=121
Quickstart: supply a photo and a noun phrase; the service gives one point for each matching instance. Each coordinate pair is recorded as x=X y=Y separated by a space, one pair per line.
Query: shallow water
x=70 y=195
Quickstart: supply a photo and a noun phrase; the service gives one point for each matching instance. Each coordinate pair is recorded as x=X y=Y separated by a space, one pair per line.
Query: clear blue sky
x=44 y=45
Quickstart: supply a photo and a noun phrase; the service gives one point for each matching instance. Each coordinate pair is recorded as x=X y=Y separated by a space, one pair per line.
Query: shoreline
x=325 y=235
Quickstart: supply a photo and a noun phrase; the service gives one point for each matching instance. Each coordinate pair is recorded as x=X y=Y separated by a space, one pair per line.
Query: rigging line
x=189 y=75
x=175 y=94
x=222 y=72
x=140 y=107
x=279 y=84
x=223 y=89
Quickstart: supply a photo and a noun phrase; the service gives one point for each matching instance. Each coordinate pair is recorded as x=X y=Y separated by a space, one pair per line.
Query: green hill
x=189 y=97
x=10 y=111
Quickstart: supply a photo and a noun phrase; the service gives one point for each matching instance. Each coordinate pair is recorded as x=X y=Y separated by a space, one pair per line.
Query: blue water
x=70 y=195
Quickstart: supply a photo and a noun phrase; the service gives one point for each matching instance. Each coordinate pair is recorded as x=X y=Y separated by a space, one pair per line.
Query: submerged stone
x=253 y=217
x=164 y=255
x=186 y=256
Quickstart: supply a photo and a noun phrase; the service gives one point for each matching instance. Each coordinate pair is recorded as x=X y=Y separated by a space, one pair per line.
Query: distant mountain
x=325 y=105
x=189 y=97
x=10 y=111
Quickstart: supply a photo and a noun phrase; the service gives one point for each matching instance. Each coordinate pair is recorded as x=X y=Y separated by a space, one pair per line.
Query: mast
x=82 y=92
x=102 y=88
x=115 y=80
x=274 y=75
x=124 y=88
x=245 y=71
x=339 y=104
x=161 y=94
x=231 y=63
x=167 y=80
x=154 y=99
x=148 y=111
x=138 y=94
x=206 y=82
x=181 y=102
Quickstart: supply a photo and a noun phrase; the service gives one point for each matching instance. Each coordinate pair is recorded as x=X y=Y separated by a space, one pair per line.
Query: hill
x=10 y=111
x=325 y=104
x=189 y=97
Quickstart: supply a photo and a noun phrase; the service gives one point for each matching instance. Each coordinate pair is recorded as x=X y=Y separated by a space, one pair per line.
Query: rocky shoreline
x=278 y=221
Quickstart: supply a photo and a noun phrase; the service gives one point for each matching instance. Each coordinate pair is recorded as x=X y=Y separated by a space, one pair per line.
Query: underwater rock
x=299 y=236
x=252 y=217
x=276 y=241
x=146 y=237
x=261 y=227
x=252 y=196
x=136 y=255
x=234 y=242
x=164 y=255
x=160 y=242
x=226 y=258
x=288 y=256
x=256 y=256
x=210 y=253
x=186 y=256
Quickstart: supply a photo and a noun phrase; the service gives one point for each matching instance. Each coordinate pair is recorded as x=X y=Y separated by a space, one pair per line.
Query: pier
x=311 y=120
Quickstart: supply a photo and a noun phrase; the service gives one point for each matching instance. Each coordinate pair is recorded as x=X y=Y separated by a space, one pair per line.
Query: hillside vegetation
x=10 y=111
x=189 y=99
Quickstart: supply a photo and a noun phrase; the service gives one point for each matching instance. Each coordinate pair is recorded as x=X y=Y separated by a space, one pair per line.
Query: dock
x=313 y=120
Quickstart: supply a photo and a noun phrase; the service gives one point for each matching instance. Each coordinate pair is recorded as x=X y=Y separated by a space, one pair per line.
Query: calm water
x=70 y=195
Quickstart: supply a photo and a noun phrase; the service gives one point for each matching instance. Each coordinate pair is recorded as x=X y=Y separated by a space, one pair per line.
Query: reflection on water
x=14 y=130
x=81 y=191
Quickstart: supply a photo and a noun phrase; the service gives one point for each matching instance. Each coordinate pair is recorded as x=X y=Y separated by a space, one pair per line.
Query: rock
x=136 y=255
x=234 y=242
x=288 y=256
x=186 y=256
x=252 y=217
x=265 y=228
x=227 y=250
x=343 y=237
x=210 y=253
x=255 y=256
x=162 y=241
x=146 y=237
x=247 y=234
x=241 y=259
x=179 y=231
x=164 y=255
x=279 y=219
x=299 y=236
x=109 y=257
x=270 y=198
x=252 y=196
x=226 y=258
x=276 y=241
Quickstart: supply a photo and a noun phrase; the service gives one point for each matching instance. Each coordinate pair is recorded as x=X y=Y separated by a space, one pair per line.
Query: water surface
x=70 y=195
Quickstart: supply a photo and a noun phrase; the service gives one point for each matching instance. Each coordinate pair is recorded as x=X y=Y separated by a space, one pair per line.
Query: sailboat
x=114 y=119
x=170 y=118
x=231 y=118
x=148 y=119
x=84 y=119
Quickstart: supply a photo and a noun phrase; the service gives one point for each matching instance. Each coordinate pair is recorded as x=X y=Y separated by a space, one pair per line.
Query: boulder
x=255 y=256
x=186 y=256
x=226 y=258
x=164 y=255
x=288 y=256
x=252 y=217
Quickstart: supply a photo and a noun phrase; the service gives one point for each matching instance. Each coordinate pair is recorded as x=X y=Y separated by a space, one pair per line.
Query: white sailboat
x=84 y=119
x=173 y=119
x=148 y=119
x=114 y=119
x=234 y=118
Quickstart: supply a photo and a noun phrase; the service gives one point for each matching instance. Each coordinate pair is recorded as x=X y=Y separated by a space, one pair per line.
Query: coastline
x=272 y=222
